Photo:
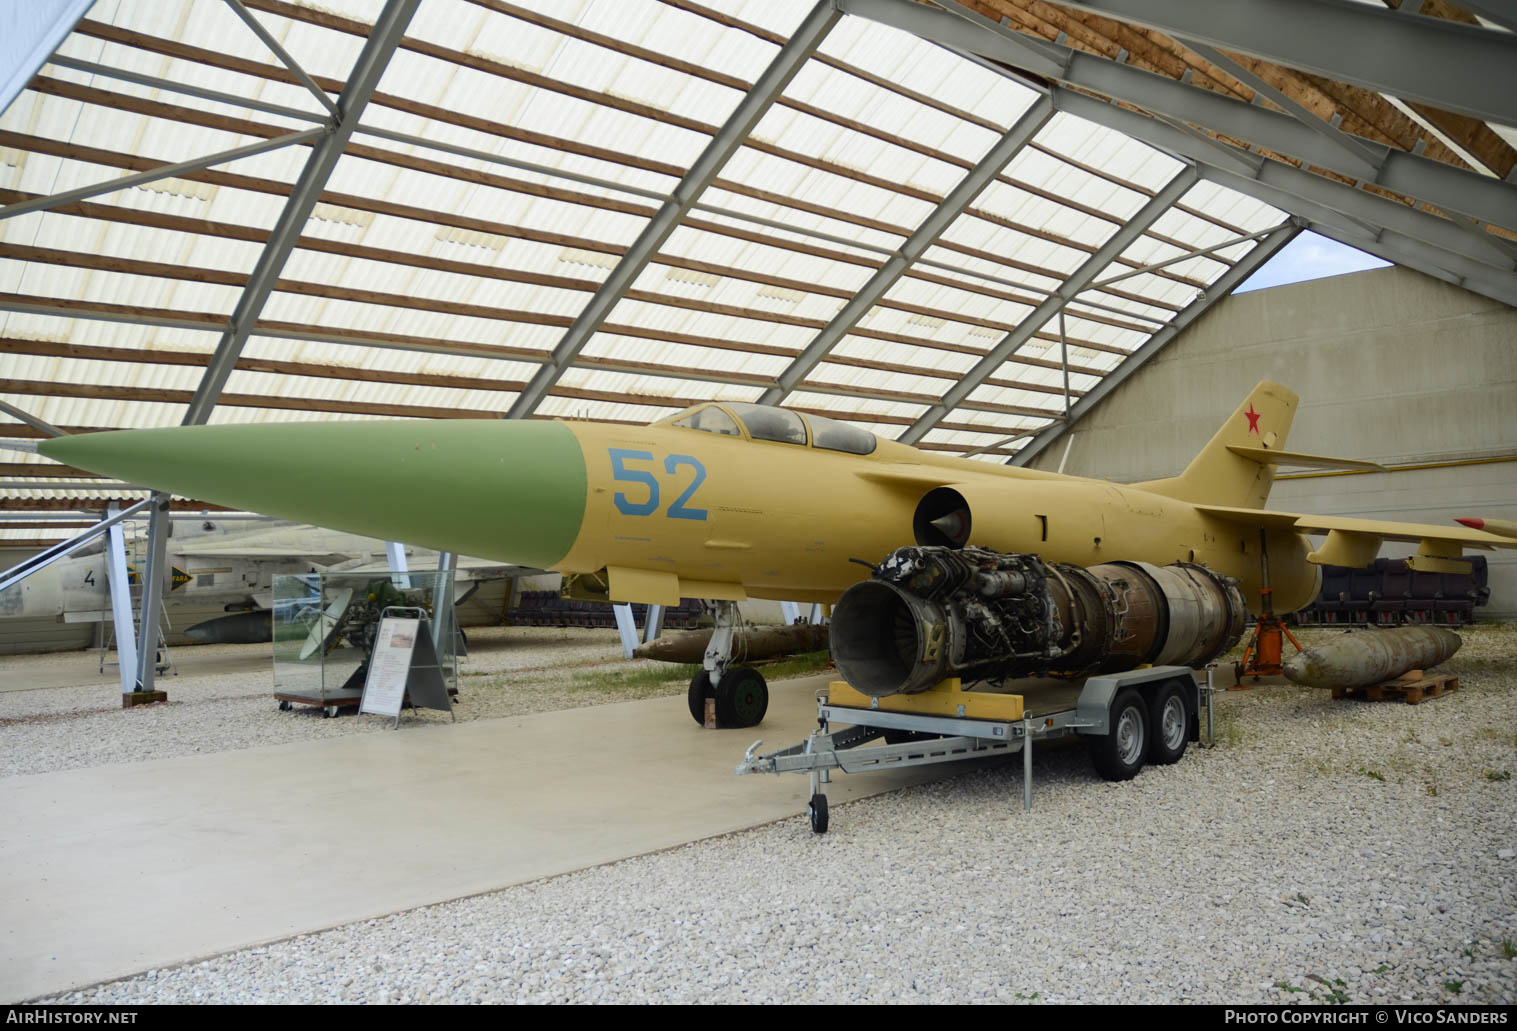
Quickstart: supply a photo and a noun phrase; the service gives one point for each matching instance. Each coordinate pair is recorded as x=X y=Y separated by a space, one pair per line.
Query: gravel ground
x=1325 y=851
x=510 y=671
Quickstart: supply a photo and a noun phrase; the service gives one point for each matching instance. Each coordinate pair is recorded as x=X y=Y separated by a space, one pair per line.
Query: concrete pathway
x=119 y=869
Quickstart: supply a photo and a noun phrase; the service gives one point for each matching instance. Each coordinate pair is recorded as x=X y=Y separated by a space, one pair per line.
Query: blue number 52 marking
x=622 y=473
x=678 y=509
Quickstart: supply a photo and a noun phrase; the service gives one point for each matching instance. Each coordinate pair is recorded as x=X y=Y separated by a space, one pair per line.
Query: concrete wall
x=1391 y=366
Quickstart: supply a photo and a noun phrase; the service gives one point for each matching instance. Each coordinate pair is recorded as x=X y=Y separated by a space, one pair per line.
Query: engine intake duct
x=932 y=612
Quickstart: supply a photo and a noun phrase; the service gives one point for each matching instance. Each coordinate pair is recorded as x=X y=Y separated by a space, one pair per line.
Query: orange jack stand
x=1262 y=656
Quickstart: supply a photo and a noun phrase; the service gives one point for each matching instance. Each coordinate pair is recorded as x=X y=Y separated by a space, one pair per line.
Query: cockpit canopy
x=765 y=422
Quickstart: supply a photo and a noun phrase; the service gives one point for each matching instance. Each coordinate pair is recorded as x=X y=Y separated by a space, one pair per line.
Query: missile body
x=1371 y=657
x=748 y=645
x=1500 y=527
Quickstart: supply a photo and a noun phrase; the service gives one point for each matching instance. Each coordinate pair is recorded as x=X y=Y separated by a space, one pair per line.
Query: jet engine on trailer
x=930 y=613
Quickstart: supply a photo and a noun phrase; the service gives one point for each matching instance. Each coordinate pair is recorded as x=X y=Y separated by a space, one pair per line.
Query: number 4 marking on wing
x=622 y=473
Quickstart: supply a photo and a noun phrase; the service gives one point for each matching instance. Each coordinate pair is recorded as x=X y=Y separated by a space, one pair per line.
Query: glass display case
x=325 y=624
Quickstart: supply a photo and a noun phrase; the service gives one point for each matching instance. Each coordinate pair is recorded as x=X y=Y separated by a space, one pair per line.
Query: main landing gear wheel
x=1169 y=722
x=1120 y=753
x=700 y=690
x=816 y=812
x=742 y=697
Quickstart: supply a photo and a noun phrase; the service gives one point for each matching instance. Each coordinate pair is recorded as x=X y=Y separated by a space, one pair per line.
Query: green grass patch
x=803 y=665
x=1498 y=774
x=641 y=681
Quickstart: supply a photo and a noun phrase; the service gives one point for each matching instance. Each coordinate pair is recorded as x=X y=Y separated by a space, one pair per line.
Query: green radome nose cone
x=513 y=491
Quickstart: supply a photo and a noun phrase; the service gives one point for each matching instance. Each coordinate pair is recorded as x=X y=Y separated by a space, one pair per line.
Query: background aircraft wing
x=233 y=549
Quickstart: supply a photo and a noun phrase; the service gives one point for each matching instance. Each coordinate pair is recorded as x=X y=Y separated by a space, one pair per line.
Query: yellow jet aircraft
x=730 y=501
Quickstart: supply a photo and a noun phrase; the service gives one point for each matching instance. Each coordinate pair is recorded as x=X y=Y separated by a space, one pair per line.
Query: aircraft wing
x=1355 y=542
x=478 y=568
x=232 y=549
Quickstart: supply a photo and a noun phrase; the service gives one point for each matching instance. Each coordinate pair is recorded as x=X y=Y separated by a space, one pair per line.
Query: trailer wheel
x=1169 y=722
x=816 y=812
x=700 y=690
x=1120 y=753
x=742 y=697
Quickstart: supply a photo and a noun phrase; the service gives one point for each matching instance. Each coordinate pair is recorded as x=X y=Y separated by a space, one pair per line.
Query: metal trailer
x=1129 y=718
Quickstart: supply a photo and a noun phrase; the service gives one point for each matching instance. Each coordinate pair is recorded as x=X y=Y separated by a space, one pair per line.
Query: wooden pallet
x=1411 y=688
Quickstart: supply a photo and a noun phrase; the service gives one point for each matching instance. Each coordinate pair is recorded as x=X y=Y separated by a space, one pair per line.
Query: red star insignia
x=1253 y=419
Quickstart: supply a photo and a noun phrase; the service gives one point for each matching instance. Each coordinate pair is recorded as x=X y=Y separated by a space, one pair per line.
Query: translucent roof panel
x=511 y=157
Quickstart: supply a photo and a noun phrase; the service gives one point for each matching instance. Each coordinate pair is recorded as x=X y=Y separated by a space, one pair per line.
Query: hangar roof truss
x=959 y=225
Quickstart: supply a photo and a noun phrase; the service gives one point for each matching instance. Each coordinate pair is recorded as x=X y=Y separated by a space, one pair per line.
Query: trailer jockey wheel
x=742 y=697
x=700 y=690
x=816 y=812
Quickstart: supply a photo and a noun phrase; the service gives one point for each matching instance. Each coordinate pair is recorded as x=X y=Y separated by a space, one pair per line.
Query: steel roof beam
x=383 y=39
x=188 y=89
x=161 y=172
x=1388 y=243
x=1200 y=252
x=755 y=103
x=1467 y=69
x=1079 y=280
x=31 y=420
x=1262 y=252
x=284 y=56
x=1501 y=12
x=1330 y=131
x=1478 y=196
x=933 y=226
x=1286 y=180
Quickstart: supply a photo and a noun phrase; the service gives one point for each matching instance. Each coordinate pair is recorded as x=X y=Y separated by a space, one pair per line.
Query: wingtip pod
x=1371 y=657
x=453 y=484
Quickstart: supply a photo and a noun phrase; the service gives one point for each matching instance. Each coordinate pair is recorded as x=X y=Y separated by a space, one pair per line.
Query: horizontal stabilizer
x=1269 y=456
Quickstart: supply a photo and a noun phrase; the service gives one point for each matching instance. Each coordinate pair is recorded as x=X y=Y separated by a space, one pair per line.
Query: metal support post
x=121 y=607
x=626 y=626
x=442 y=599
x=21 y=570
x=1064 y=362
x=399 y=570
x=653 y=625
x=152 y=592
x=1026 y=764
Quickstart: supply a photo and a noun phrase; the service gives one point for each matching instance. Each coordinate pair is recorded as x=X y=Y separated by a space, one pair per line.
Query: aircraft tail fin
x=1233 y=469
